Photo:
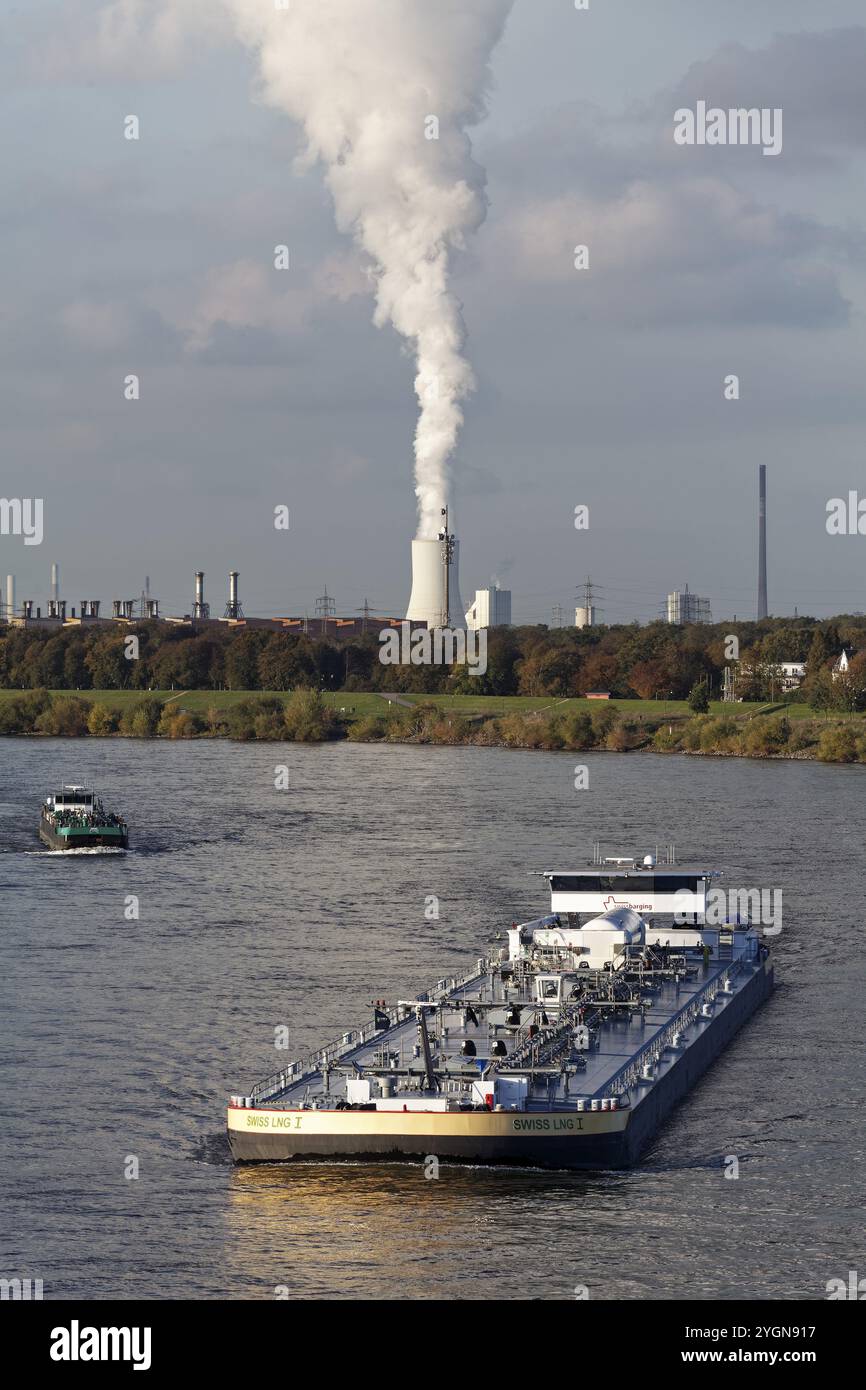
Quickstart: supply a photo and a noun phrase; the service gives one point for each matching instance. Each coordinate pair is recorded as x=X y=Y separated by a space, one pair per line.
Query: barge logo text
x=610 y=903
x=22 y=516
x=558 y=1122
x=273 y=1121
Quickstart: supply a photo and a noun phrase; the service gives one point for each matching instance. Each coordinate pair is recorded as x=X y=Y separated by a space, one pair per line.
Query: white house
x=792 y=674
x=841 y=664
x=786 y=675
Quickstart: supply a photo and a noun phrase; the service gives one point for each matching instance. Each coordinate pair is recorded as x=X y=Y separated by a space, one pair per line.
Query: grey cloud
x=108 y=330
x=93 y=40
x=476 y=480
x=816 y=78
x=670 y=240
x=249 y=346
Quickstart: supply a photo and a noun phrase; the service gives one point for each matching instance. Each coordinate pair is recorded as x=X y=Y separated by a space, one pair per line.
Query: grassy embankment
x=357 y=705
x=498 y=721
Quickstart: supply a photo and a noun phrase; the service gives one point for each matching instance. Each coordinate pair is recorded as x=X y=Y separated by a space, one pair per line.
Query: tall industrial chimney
x=435 y=597
x=55 y=583
x=10 y=597
x=200 y=609
x=233 y=607
x=762 y=541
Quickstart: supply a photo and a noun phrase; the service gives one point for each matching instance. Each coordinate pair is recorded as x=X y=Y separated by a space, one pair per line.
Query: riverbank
x=306 y=716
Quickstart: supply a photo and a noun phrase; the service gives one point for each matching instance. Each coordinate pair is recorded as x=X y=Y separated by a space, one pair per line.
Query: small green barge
x=75 y=818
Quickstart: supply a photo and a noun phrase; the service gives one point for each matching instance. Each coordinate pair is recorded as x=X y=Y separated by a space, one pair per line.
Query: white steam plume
x=362 y=77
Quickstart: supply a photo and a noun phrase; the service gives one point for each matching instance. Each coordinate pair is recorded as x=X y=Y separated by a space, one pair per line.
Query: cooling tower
x=428 y=602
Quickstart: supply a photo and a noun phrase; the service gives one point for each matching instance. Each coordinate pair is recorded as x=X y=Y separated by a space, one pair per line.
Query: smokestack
x=10 y=597
x=762 y=541
x=428 y=601
x=200 y=609
x=55 y=582
x=233 y=607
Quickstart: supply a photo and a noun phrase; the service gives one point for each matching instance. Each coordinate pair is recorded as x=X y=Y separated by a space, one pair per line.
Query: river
x=261 y=908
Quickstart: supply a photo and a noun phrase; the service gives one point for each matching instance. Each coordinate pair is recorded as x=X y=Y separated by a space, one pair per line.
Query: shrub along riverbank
x=306 y=717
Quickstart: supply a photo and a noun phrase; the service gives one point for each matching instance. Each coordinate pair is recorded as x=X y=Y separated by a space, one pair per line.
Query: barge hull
x=676 y=1081
x=553 y=1139
x=82 y=841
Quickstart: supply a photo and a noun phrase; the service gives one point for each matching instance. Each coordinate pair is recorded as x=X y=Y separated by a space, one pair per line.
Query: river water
x=261 y=908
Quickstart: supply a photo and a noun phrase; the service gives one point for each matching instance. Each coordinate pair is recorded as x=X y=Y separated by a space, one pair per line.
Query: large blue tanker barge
x=567 y=1049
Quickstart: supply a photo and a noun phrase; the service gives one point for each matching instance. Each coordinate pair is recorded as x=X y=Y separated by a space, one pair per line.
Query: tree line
x=656 y=661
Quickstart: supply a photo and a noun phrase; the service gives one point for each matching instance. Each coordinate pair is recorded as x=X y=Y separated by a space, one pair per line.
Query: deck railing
x=629 y=1074
x=351 y=1040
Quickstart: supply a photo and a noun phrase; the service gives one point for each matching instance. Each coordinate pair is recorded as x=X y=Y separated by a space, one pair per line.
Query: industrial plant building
x=685 y=607
x=490 y=608
x=61 y=614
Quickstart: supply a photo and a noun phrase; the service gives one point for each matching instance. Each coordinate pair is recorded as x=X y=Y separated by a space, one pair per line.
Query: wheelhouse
x=71 y=799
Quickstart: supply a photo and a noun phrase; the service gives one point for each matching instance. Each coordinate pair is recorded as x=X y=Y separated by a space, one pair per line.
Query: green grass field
x=523 y=704
x=355 y=706
x=202 y=700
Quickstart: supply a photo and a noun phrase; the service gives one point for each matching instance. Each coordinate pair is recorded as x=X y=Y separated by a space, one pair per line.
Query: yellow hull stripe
x=407 y=1122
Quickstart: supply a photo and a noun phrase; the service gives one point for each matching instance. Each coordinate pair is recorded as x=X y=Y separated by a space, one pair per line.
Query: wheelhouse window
x=634 y=883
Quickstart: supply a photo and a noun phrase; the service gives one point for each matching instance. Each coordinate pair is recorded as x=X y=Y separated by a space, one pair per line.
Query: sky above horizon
x=602 y=387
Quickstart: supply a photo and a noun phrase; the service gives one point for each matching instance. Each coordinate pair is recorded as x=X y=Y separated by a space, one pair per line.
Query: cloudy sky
x=601 y=387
